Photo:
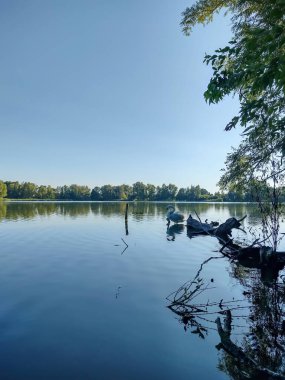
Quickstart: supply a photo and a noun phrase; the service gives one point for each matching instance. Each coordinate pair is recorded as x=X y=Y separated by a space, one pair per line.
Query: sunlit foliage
x=3 y=189
x=252 y=67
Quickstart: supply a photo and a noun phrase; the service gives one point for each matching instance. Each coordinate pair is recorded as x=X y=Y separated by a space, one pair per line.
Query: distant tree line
x=138 y=191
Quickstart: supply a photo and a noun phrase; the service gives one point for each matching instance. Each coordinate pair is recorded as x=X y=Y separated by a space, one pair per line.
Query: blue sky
x=106 y=91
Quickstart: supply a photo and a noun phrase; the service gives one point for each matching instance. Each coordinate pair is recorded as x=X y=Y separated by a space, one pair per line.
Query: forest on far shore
x=138 y=191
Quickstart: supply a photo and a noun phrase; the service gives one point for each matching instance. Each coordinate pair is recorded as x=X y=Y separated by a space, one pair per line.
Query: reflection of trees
x=46 y=209
x=15 y=211
x=28 y=210
x=74 y=209
x=259 y=353
x=239 y=363
x=267 y=326
x=211 y=210
x=3 y=210
x=137 y=210
x=108 y=208
x=265 y=342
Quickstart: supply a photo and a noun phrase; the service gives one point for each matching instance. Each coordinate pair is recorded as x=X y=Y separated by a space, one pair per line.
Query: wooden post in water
x=126 y=218
x=126 y=211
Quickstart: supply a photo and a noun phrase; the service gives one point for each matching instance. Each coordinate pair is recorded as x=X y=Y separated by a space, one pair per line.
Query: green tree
x=166 y=192
x=50 y=192
x=151 y=192
x=3 y=190
x=46 y=192
x=28 y=190
x=192 y=193
x=72 y=192
x=107 y=193
x=219 y=197
x=96 y=194
x=13 y=189
x=197 y=192
x=252 y=67
x=139 y=191
x=62 y=192
x=77 y=192
x=181 y=195
x=172 y=191
x=125 y=192
x=42 y=192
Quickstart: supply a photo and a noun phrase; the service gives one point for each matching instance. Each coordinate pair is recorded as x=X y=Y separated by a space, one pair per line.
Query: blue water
x=75 y=304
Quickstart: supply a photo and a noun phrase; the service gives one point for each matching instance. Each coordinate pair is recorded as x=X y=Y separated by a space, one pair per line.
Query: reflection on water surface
x=73 y=307
x=138 y=210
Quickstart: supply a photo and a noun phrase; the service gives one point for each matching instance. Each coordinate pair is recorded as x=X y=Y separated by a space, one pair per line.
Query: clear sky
x=105 y=91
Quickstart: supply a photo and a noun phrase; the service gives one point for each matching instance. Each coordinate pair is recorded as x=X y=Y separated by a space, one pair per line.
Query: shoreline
x=115 y=201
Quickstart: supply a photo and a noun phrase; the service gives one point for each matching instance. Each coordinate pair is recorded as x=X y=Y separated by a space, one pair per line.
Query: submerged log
x=199 y=227
x=254 y=256
x=225 y=229
x=222 y=230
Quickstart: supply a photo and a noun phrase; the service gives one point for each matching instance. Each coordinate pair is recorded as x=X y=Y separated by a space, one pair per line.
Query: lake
x=80 y=299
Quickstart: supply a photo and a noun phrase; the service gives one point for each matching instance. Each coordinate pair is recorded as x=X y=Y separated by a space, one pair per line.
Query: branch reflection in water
x=252 y=330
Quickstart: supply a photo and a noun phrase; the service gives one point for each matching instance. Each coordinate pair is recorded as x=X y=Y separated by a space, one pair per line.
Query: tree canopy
x=252 y=67
x=136 y=192
x=3 y=189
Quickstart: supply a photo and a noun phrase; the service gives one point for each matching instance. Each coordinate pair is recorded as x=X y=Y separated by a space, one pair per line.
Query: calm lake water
x=77 y=303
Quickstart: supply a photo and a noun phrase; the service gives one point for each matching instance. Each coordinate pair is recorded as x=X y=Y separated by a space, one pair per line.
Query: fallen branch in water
x=194 y=315
x=255 y=255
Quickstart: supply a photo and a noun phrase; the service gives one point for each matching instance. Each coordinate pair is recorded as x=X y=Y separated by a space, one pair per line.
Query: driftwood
x=256 y=255
x=199 y=227
x=222 y=230
x=226 y=228
x=197 y=317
